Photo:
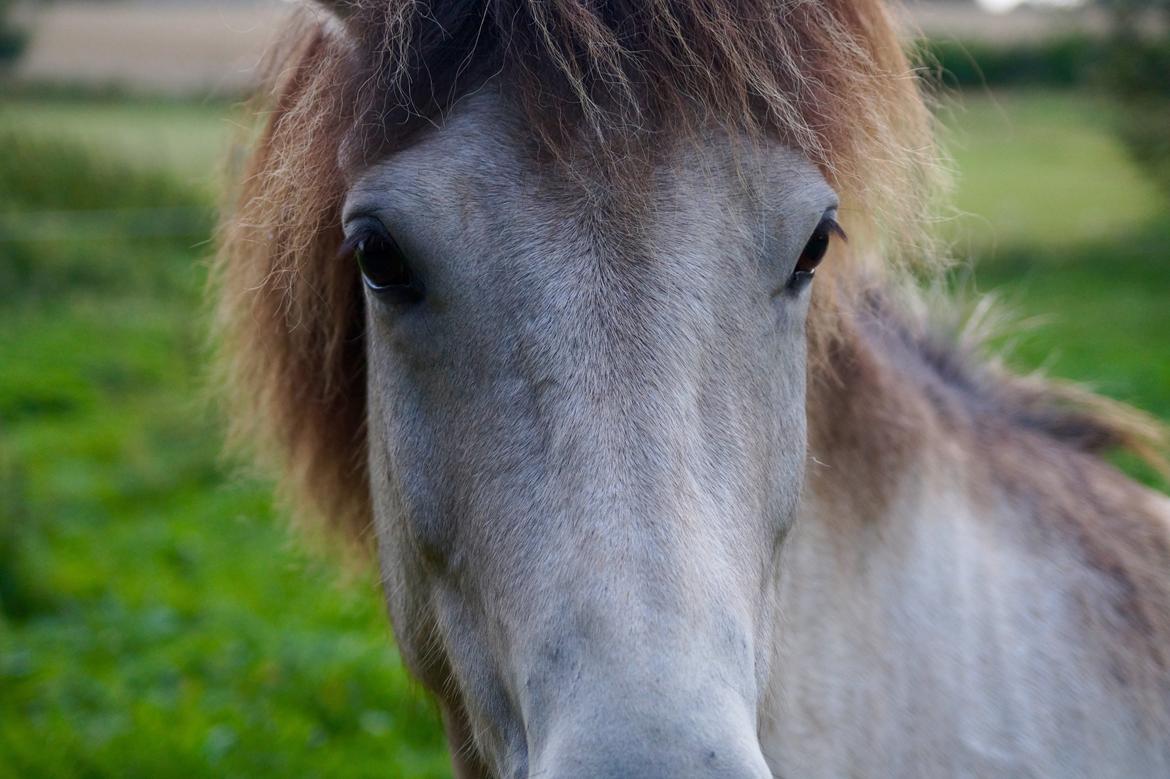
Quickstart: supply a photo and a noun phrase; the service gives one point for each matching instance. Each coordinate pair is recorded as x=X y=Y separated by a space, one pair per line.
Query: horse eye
x=814 y=251
x=385 y=269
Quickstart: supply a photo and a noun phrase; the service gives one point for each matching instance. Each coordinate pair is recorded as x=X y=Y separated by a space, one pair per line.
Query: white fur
x=938 y=640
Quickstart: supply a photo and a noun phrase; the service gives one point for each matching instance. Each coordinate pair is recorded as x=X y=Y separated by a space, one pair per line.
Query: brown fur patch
x=289 y=319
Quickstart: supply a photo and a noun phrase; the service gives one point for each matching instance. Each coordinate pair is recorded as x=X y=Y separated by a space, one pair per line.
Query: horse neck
x=899 y=438
x=954 y=578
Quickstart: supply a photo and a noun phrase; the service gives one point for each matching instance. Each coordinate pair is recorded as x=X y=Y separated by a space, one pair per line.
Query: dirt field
x=214 y=46
x=152 y=47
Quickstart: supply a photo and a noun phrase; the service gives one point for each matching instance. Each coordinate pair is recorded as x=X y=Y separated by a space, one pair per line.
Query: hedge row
x=1066 y=61
x=1130 y=67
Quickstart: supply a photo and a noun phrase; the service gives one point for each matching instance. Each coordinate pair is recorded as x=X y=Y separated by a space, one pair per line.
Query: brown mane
x=827 y=77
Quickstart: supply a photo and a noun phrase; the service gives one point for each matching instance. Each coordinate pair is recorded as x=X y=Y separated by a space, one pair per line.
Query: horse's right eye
x=814 y=252
x=385 y=269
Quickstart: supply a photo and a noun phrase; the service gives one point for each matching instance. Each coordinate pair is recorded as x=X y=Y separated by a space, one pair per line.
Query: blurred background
x=156 y=618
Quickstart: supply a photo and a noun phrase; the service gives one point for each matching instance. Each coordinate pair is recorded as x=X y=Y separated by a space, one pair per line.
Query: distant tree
x=1137 y=71
x=13 y=37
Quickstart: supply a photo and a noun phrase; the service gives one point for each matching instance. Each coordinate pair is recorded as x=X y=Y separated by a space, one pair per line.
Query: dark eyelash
x=349 y=246
x=835 y=228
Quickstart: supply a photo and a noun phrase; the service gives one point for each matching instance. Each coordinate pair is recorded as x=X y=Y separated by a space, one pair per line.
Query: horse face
x=587 y=437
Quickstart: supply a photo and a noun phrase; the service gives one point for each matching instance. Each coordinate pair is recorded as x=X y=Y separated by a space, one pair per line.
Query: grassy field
x=156 y=620
x=1062 y=227
x=1041 y=169
x=185 y=138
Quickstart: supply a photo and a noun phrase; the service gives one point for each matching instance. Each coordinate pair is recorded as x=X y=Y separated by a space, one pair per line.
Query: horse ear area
x=342 y=9
x=344 y=12
x=342 y=15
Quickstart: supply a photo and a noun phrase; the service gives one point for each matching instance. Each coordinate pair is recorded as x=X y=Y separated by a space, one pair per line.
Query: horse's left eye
x=385 y=269
x=814 y=252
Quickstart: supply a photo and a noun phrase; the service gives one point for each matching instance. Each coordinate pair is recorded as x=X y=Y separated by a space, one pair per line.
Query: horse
x=608 y=330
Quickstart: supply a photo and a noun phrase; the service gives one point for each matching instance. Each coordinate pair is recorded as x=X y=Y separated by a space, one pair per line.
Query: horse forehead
x=483 y=157
x=480 y=154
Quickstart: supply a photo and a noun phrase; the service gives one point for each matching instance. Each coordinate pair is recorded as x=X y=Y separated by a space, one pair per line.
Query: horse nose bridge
x=618 y=339
x=679 y=660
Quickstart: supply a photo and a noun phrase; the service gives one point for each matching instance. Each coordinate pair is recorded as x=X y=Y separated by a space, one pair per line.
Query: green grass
x=1099 y=315
x=188 y=138
x=1036 y=168
x=1065 y=229
x=156 y=619
x=1102 y=312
